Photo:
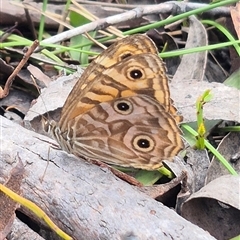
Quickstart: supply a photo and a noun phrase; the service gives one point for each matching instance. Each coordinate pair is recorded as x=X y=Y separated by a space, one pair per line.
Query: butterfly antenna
x=39 y=92
x=43 y=120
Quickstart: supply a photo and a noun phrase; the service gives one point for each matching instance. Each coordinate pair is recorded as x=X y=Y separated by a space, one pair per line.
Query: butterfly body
x=120 y=111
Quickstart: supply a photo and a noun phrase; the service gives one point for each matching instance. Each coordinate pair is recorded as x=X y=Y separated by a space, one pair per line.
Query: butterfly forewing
x=138 y=74
x=126 y=47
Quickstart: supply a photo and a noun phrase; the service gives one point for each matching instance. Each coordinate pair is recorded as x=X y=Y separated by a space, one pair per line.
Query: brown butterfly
x=120 y=111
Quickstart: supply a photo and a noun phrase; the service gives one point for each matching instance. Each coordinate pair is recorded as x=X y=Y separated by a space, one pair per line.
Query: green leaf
x=78 y=20
x=233 y=80
x=148 y=178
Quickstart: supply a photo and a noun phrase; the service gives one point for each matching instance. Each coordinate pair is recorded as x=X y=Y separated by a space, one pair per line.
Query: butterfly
x=120 y=111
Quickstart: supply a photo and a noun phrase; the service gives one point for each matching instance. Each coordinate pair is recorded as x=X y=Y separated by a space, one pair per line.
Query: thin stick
x=8 y=32
x=121 y=175
x=4 y=92
x=95 y=41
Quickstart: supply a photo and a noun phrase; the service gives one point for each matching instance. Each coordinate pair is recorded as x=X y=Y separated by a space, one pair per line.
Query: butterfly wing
x=126 y=47
x=132 y=131
x=92 y=125
x=138 y=74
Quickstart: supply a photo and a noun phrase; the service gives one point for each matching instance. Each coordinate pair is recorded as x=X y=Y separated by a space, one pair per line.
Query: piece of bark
x=86 y=201
x=7 y=205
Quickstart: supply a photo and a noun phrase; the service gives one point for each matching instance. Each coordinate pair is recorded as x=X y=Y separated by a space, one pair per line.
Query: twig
x=8 y=32
x=108 y=4
x=30 y=23
x=95 y=41
x=138 y=12
x=121 y=175
x=90 y=16
x=4 y=92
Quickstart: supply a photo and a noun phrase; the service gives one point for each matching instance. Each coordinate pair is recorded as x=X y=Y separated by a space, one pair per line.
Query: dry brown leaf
x=235 y=14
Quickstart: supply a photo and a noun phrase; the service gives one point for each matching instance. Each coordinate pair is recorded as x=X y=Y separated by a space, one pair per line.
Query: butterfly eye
x=135 y=73
x=143 y=143
x=123 y=107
